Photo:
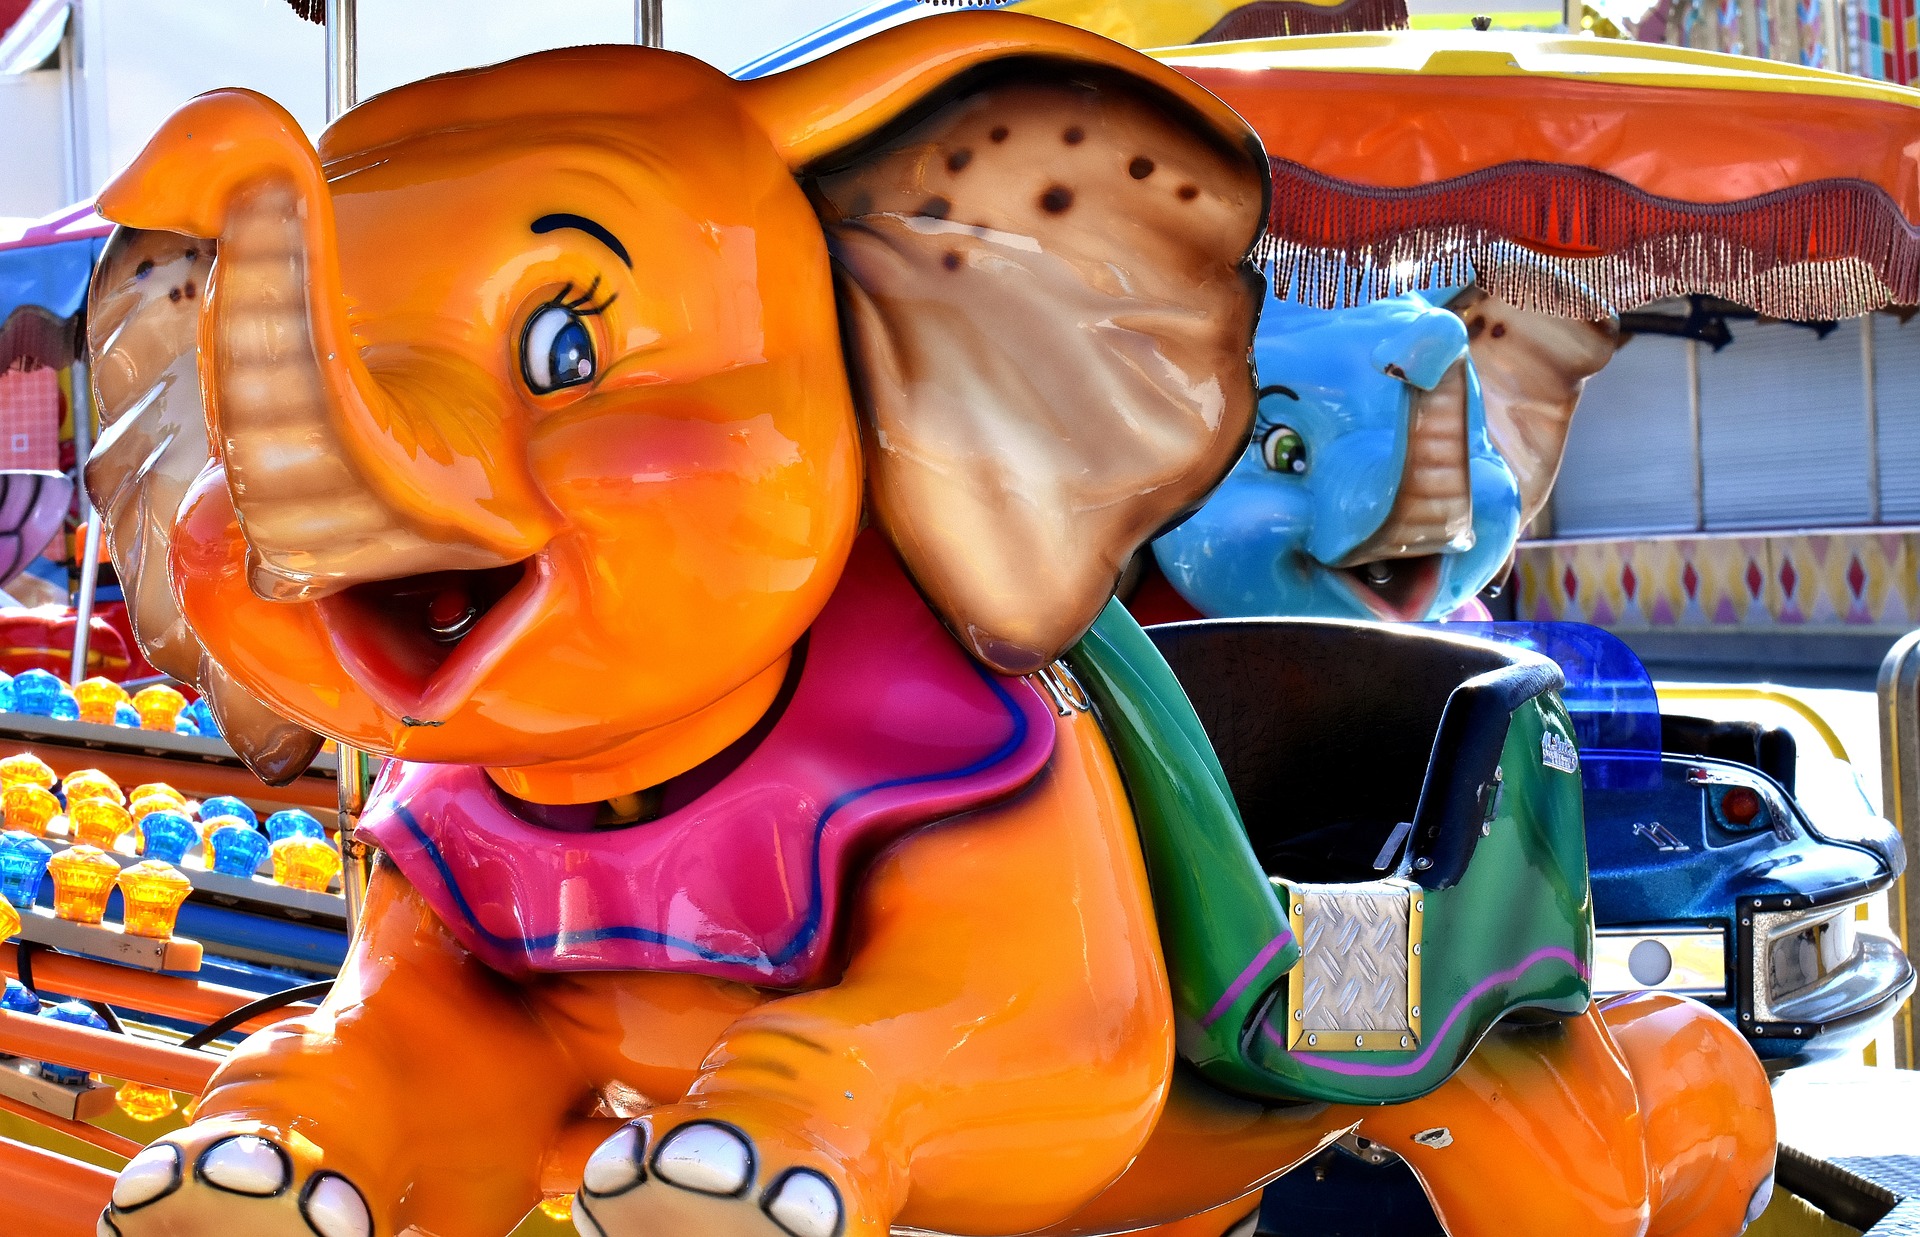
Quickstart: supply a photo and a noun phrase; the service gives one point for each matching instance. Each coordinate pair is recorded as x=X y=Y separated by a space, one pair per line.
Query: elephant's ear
x=1041 y=244
x=1532 y=369
x=143 y=322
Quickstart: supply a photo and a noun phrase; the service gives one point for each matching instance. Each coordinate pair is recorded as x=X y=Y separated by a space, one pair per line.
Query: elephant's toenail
x=245 y=1164
x=615 y=1166
x=147 y=1176
x=706 y=1156
x=334 y=1208
x=583 y=1221
x=105 y=1227
x=805 y=1204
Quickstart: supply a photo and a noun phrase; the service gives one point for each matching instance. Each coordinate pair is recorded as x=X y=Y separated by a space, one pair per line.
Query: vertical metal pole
x=1872 y=396
x=89 y=548
x=648 y=24
x=356 y=768
x=1899 y=692
x=1693 y=426
x=343 y=56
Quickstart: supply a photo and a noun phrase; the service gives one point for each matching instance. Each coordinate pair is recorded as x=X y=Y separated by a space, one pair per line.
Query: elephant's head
x=543 y=402
x=1400 y=448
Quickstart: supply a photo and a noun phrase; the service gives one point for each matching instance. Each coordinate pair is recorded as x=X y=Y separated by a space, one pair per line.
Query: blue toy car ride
x=1711 y=878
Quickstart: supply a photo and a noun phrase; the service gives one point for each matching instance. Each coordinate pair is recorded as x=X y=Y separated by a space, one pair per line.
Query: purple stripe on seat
x=1247 y=976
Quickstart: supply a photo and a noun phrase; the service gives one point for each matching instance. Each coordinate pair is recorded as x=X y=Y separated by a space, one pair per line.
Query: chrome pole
x=343 y=56
x=89 y=548
x=356 y=768
x=648 y=24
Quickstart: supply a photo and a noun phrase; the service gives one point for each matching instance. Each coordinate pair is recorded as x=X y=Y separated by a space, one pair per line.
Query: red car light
x=1740 y=806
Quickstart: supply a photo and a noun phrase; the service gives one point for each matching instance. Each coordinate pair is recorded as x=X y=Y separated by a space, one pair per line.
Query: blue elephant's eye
x=1284 y=450
x=557 y=350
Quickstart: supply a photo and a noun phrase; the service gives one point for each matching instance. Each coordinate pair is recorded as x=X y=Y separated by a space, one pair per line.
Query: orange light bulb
x=98 y=822
x=85 y=784
x=29 y=808
x=153 y=892
x=305 y=863
x=9 y=920
x=97 y=698
x=159 y=707
x=83 y=877
x=145 y=1103
x=26 y=769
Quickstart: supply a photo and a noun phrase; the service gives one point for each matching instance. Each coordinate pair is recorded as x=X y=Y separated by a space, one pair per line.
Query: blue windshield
x=1616 y=715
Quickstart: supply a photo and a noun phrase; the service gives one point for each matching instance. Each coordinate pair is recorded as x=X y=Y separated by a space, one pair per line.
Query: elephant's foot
x=226 y=1176
x=705 y=1177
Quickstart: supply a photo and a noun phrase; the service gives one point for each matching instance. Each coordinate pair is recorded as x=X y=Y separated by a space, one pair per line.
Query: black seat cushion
x=1324 y=729
x=1770 y=749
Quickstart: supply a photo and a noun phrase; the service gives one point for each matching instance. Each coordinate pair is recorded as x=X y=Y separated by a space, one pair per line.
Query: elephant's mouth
x=420 y=644
x=1400 y=590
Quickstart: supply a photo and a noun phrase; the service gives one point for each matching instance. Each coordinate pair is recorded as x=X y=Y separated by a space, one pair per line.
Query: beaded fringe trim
x=1582 y=244
x=1273 y=19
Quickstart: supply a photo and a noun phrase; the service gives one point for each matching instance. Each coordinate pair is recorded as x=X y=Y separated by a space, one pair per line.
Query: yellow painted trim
x=1771 y=695
x=1512 y=53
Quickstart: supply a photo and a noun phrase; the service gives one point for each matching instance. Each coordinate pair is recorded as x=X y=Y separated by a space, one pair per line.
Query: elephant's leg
x=1540 y=1134
x=995 y=1054
x=1708 y=1113
x=421 y=1097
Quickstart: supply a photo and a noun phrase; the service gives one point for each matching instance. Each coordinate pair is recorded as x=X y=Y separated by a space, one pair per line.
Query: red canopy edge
x=1579 y=243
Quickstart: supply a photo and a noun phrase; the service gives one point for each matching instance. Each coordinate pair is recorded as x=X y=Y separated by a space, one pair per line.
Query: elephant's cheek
x=279 y=650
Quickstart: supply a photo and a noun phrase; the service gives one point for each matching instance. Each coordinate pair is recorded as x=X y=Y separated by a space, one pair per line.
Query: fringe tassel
x=1273 y=19
x=310 y=10
x=1578 y=243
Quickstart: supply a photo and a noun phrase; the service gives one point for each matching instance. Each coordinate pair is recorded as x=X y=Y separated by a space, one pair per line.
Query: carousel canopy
x=44 y=268
x=1576 y=176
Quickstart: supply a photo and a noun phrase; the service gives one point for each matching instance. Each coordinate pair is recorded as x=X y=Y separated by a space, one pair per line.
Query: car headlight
x=1800 y=949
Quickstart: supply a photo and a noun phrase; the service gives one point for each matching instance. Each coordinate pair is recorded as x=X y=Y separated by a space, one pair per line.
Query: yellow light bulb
x=9 y=920
x=84 y=784
x=159 y=707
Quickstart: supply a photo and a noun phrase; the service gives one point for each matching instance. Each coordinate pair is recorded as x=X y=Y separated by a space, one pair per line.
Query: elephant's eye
x=557 y=350
x=1284 y=450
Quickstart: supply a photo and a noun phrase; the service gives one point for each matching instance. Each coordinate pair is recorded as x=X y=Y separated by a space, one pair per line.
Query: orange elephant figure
x=690 y=483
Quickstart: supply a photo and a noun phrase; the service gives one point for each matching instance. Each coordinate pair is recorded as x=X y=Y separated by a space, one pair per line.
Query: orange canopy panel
x=1578 y=176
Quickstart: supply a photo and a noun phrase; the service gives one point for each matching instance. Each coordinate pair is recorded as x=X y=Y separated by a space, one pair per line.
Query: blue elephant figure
x=1400 y=448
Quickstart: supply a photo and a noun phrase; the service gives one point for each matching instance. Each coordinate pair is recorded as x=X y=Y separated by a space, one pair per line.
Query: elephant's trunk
x=335 y=482
x=1432 y=510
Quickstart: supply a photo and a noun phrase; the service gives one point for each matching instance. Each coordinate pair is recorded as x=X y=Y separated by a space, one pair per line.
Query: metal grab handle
x=1899 y=691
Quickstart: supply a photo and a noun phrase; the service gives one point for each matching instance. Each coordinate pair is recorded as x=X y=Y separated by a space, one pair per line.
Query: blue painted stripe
x=843 y=31
x=809 y=928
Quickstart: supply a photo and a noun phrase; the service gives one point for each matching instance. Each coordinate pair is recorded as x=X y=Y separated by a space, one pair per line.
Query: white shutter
x=1629 y=462
x=1783 y=428
x=1896 y=370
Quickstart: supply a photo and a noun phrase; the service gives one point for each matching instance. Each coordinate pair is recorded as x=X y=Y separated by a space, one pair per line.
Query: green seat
x=1365 y=843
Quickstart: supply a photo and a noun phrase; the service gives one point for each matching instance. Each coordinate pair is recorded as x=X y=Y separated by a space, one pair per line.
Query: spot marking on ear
x=951 y=259
x=1074 y=136
x=1189 y=192
x=1056 y=200
x=959 y=159
x=173 y=294
x=999 y=133
x=1474 y=327
x=1140 y=168
x=1499 y=329
x=936 y=207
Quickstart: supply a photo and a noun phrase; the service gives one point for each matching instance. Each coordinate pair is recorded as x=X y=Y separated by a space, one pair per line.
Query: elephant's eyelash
x=582 y=304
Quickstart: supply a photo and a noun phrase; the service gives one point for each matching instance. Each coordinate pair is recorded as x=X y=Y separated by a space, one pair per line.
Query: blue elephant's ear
x=1532 y=369
x=1049 y=306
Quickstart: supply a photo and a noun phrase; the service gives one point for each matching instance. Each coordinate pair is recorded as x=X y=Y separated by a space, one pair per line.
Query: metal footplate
x=1357 y=987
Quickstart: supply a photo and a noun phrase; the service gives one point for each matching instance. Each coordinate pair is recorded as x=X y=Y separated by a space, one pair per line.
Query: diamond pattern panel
x=1353 y=976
